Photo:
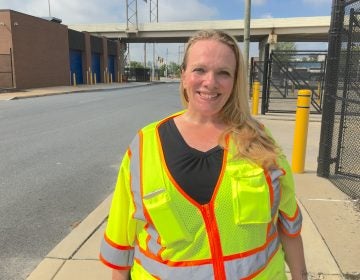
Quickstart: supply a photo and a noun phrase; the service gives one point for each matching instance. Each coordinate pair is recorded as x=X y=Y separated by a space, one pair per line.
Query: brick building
x=36 y=52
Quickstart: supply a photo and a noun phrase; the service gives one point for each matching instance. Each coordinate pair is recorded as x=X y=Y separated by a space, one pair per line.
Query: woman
x=198 y=193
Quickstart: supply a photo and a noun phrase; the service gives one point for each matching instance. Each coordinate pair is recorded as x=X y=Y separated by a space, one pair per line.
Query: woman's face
x=209 y=76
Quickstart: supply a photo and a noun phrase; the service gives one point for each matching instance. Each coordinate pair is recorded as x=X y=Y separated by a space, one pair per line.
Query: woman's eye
x=199 y=70
x=224 y=73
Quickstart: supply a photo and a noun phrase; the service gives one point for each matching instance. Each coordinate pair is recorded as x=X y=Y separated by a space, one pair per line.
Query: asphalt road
x=59 y=160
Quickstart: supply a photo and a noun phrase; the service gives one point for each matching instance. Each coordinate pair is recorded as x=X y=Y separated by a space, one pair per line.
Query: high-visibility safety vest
x=159 y=232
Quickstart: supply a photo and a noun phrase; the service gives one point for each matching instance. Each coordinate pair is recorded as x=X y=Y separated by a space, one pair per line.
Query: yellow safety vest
x=160 y=232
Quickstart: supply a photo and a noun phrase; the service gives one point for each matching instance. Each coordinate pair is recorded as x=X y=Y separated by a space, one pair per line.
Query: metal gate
x=339 y=142
x=283 y=73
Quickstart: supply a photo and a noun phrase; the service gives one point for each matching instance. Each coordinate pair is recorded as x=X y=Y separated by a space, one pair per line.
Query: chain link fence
x=339 y=151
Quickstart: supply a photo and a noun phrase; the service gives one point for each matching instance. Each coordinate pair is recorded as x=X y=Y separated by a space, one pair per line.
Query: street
x=59 y=161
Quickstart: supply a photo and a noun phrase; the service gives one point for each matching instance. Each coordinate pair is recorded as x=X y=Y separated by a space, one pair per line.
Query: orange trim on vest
x=117 y=246
x=113 y=266
x=251 y=252
x=250 y=277
x=293 y=218
x=172 y=263
x=283 y=229
x=271 y=189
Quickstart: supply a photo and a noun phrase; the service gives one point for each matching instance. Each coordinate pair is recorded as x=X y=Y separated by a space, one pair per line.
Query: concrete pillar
x=270 y=39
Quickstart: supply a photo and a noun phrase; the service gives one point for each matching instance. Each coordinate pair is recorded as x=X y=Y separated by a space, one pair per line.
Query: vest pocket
x=251 y=199
x=167 y=221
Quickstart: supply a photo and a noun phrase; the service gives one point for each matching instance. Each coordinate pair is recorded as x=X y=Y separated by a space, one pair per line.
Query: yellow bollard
x=74 y=79
x=91 y=78
x=255 y=98
x=301 y=130
x=111 y=79
x=95 y=79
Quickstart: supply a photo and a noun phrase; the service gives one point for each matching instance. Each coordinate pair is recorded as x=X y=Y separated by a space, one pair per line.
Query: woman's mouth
x=208 y=96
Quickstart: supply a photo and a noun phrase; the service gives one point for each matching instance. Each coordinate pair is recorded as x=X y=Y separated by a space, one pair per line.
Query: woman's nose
x=210 y=78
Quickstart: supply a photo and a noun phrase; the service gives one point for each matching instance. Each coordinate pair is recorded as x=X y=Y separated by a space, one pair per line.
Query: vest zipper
x=214 y=241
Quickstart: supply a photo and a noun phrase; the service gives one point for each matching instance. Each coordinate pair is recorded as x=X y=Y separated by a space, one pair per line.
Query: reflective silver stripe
x=247 y=266
x=272 y=230
x=116 y=256
x=165 y=272
x=291 y=226
x=153 y=245
x=135 y=173
x=234 y=269
x=275 y=183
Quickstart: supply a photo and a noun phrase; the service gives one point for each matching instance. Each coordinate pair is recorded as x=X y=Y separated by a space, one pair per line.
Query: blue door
x=76 y=66
x=95 y=65
x=111 y=66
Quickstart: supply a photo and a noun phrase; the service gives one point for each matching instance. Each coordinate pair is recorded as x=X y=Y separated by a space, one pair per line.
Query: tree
x=287 y=49
x=174 y=69
x=285 y=46
x=136 y=64
x=162 y=70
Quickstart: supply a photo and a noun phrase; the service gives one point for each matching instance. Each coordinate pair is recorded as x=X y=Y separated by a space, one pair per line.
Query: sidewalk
x=38 y=92
x=330 y=226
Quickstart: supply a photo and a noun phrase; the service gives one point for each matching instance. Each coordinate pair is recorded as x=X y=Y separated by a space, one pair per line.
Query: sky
x=114 y=11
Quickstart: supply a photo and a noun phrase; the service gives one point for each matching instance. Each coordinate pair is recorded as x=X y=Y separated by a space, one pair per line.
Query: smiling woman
x=198 y=193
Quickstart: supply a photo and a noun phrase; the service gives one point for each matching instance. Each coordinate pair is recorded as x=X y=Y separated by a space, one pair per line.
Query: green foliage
x=136 y=64
x=285 y=46
x=174 y=69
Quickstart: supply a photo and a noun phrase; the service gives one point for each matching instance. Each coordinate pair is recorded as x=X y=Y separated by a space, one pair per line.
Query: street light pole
x=247 y=32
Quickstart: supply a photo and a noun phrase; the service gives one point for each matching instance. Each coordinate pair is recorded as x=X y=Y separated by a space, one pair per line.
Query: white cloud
x=110 y=11
x=98 y=11
x=267 y=15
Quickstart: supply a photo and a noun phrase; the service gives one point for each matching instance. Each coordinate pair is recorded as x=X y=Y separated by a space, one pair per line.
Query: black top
x=196 y=172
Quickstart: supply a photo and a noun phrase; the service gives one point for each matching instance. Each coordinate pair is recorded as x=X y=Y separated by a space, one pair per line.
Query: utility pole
x=166 y=63
x=154 y=17
x=247 y=32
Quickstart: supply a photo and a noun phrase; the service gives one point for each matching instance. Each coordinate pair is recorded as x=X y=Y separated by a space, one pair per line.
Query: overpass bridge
x=297 y=29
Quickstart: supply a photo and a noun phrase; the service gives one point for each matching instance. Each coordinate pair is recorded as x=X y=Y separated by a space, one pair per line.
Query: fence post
x=265 y=80
x=331 y=84
x=301 y=130
x=255 y=98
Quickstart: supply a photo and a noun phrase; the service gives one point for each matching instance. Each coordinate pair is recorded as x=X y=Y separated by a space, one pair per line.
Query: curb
x=77 y=91
x=67 y=248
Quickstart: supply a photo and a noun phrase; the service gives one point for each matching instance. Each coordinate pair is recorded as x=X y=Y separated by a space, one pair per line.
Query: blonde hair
x=250 y=138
